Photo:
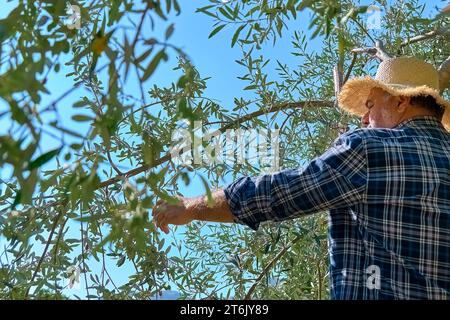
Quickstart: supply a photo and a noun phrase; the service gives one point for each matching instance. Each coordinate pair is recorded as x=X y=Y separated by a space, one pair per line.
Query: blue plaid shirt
x=388 y=192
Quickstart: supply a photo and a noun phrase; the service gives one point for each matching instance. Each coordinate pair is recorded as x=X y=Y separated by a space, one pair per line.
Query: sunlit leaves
x=236 y=34
x=42 y=159
x=121 y=260
x=185 y=110
x=216 y=30
x=206 y=11
x=82 y=118
x=17 y=199
x=169 y=31
x=161 y=55
x=269 y=23
x=150 y=148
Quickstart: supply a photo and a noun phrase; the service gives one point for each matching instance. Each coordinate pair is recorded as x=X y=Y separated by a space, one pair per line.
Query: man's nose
x=365 y=120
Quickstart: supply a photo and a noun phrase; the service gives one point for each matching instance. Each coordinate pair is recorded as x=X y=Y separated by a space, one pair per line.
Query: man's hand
x=164 y=214
x=190 y=209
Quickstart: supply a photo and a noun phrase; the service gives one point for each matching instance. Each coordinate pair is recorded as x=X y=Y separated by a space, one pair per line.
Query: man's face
x=382 y=110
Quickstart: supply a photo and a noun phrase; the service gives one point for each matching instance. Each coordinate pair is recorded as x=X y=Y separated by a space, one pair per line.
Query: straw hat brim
x=354 y=93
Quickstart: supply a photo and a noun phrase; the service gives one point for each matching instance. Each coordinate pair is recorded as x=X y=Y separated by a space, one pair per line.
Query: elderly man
x=387 y=187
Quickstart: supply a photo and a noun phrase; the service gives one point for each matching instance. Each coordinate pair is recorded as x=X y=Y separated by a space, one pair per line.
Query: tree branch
x=338 y=80
x=378 y=51
x=166 y=157
x=139 y=28
x=444 y=32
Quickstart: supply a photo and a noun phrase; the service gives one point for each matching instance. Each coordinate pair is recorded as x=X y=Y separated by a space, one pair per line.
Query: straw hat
x=398 y=76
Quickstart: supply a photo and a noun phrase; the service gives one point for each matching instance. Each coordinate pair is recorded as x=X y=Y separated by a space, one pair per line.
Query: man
x=387 y=187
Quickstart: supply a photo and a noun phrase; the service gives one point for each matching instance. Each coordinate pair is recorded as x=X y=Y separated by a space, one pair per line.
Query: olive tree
x=82 y=210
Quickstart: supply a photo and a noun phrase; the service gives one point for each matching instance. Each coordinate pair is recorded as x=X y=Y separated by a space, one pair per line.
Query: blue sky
x=212 y=57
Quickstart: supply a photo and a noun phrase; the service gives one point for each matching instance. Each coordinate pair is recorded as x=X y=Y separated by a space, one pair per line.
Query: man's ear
x=403 y=103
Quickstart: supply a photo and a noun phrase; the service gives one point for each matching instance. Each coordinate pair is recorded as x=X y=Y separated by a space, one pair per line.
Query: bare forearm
x=219 y=211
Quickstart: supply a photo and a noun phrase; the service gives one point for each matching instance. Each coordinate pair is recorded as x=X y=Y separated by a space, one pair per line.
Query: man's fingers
x=157 y=218
x=156 y=214
x=162 y=220
x=161 y=224
x=159 y=206
x=158 y=224
x=158 y=209
x=160 y=216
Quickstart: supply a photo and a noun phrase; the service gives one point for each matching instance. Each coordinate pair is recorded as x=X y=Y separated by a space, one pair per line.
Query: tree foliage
x=84 y=203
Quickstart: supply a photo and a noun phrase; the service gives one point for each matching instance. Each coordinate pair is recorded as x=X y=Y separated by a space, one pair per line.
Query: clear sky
x=212 y=57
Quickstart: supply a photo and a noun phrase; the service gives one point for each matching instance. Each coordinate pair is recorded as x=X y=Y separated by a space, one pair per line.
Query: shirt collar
x=420 y=121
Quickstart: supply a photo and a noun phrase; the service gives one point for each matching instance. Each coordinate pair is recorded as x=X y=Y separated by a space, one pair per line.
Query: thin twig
x=352 y=64
x=56 y=246
x=363 y=29
x=286 y=120
x=319 y=275
x=44 y=253
x=108 y=153
x=269 y=266
x=112 y=281
x=137 y=271
x=138 y=31
x=65 y=94
x=144 y=107
x=82 y=256
x=103 y=256
x=104 y=270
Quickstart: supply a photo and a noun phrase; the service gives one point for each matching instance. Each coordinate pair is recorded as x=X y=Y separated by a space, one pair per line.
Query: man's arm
x=337 y=178
x=218 y=212
x=190 y=209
